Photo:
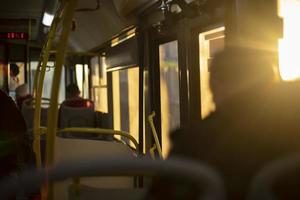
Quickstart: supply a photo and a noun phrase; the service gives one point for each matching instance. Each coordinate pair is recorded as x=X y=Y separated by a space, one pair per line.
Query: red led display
x=14 y=35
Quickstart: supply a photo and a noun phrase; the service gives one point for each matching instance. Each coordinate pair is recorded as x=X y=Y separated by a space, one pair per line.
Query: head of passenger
x=72 y=91
x=14 y=70
x=22 y=91
x=237 y=69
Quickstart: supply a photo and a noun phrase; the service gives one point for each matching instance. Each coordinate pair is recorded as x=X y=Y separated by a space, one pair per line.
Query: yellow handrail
x=53 y=109
x=102 y=131
x=154 y=133
x=68 y=12
x=38 y=88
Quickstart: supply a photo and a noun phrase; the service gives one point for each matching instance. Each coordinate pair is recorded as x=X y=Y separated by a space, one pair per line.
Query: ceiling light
x=47 y=19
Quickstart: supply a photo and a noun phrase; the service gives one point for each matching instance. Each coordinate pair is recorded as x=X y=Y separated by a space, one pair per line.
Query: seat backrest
x=70 y=149
x=277 y=180
x=91 y=193
x=76 y=116
x=198 y=174
x=28 y=114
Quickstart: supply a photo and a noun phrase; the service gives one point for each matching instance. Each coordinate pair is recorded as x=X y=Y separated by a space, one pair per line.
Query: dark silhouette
x=72 y=91
x=14 y=72
x=14 y=69
x=15 y=151
x=256 y=121
x=73 y=98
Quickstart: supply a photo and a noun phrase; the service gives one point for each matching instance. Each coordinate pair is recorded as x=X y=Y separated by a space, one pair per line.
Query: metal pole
x=53 y=109
x=38 y=89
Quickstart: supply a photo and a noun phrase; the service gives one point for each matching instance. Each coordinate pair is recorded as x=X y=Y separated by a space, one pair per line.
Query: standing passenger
x=14 y=72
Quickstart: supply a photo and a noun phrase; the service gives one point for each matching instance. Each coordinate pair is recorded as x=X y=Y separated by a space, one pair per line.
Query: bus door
x=165 y=95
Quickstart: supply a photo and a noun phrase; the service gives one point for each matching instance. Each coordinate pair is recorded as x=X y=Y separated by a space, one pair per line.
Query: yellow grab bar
x=154 y=133
x=67 y=17
x=102 y=131
x=38 y=88
x=69 y=10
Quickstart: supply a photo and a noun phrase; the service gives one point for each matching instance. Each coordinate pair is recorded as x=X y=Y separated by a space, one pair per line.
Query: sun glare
x=289 y=46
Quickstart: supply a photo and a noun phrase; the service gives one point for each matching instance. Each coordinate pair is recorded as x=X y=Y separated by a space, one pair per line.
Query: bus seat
x=91 y=193
x=28 y=114
x=279 y=180
x=76 y=117
x=206 y=179
x=70 y=149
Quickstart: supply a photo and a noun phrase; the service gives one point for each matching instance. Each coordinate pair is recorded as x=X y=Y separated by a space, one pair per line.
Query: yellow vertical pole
x=38 y=89
x=53 y=110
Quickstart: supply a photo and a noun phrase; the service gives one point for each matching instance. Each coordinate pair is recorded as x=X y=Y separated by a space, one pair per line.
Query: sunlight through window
x=289 y=57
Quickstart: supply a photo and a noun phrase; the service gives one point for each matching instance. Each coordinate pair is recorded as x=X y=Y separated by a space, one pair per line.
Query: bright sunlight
x=289 y=46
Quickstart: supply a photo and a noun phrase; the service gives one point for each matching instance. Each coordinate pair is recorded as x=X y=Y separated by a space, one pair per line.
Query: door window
x=169 y=91
x=210 y=43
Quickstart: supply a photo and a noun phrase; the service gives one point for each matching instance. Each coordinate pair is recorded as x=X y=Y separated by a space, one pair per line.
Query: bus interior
x=143 y=67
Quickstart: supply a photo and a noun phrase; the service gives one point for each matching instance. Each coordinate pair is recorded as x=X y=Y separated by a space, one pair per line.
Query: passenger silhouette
x=77 y=112
x=14 y=72
x=256 y=121
x=73 y=98
x=15 y=151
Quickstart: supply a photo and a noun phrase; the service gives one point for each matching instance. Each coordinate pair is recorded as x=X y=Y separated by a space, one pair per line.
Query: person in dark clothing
x=78 y=112
x=256 y=121
x=14 y=151
x=74 y=99
x=72 y=91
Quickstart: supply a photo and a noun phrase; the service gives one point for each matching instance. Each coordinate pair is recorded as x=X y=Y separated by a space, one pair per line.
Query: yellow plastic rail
x=66 y=18
x=61 y=50
x=154 y=133
x=102 y=131
x=38 y=88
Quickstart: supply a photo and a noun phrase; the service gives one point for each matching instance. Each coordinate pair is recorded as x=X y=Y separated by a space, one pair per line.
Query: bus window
x=169 y=91
x=48 y=81
x=79 y=77
x=126 y=100
x=2 y=75
x=99 y=84
x=210 y=42
x=103 y=86
x=95 y=70
x=82 y=77
x=289 y=62
x=15 y=81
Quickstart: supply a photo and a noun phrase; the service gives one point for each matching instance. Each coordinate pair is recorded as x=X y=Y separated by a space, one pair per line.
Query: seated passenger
x=22 y=94
x=15 y=150
x=256 y=121
x=73 y=98
x=77 y=112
